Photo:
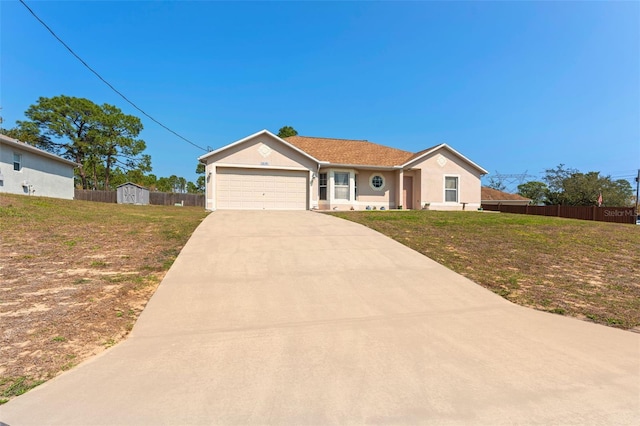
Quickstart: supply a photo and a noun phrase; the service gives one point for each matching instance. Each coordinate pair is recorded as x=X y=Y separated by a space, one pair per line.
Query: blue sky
x=514 y=86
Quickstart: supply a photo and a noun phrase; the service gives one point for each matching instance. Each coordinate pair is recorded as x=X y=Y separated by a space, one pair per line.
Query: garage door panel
x=252 y=189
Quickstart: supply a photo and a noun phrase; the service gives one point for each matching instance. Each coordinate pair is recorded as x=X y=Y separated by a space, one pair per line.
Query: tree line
x=101 y=139
x=570 y=187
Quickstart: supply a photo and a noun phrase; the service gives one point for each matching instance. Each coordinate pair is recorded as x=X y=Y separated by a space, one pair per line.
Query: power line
x=510 y=180
x=623 y=177
x=105 y=81
x=632 y=171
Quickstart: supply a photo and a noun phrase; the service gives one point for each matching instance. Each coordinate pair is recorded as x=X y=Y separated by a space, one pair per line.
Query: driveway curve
x=302 y=318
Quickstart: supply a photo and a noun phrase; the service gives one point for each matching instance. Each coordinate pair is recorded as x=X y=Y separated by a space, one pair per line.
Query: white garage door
x=260 y=189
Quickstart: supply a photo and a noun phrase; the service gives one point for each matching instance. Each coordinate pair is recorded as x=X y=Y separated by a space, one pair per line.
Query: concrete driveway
x=300 y=318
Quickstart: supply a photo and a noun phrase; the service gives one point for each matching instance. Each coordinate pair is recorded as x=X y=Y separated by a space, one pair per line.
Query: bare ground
x=74 y=277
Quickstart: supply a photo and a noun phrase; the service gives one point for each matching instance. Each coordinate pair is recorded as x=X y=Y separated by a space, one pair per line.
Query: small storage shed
x=130 y=193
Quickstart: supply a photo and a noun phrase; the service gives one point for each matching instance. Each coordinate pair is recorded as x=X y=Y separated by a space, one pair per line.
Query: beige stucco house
x=263 y=171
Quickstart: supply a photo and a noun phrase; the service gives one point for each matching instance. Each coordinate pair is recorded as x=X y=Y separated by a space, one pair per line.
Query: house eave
x=29 y=148
x=359 y=166
x=444 y=145
x=203 y=158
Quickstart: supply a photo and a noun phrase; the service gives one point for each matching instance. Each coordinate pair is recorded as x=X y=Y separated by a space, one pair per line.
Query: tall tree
x=95 y=137
x=180 y=185
x=69 y=125
x=573 y=188
x=192 y=188
x=583 y=189
x=536 y=191
x=555 y=179
x=287 y=131
x=116 y=142
x=164 y=184
x=172 y=184
x=136 y=176
x=28 y=133
x=200 y=182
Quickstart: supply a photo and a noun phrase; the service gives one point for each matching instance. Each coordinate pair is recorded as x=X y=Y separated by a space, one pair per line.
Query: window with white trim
x=341 y=186
x=377 y=182
x=17 y=162
x=451 y=189
x=322 y=183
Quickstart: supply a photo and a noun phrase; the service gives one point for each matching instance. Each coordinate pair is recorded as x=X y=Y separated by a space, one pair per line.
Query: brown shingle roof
x=347 y=151
x=495 y=195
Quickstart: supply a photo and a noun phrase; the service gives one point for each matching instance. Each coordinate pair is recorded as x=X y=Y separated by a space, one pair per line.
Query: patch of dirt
x=55 y=321
x=70 y=289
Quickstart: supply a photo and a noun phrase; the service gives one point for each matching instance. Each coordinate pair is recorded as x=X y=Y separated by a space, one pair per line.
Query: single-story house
x=263 y=171
x=493 y=197
x=27 y=170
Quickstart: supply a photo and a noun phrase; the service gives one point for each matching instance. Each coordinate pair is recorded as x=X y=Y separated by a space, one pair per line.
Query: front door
x=407 y=192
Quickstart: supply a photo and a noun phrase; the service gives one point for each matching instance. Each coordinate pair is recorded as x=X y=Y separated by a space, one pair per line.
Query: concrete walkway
x=300 y=318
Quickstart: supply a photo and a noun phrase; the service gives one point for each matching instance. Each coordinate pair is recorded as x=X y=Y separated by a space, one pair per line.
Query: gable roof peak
x=424 y=153
x=203 y=158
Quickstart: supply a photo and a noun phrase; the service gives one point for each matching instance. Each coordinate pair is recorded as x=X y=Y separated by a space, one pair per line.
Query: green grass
x=570 y=267
x=104 y=260
x=70 y=243
x=63 y=226
x=68 y=366
x=16 y=386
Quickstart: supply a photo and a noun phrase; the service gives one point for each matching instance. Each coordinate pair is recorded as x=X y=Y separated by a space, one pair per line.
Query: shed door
x=129 y=194
x=261 y=189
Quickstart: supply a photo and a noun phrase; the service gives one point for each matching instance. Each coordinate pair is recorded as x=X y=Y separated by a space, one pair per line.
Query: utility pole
x=637 y=193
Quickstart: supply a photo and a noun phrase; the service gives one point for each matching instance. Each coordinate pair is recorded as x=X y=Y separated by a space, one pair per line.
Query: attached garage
x=261 y=189
x=260 y=172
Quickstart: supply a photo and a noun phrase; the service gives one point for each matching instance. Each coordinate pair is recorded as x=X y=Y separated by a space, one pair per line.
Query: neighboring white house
x=27 y=170
x=263 y=171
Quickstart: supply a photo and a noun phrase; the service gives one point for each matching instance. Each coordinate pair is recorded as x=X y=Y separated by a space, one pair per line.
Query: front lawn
x=75 y=276
x=590 y=270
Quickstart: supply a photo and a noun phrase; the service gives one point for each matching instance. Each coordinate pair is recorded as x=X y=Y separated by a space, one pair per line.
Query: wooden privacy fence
x=602 y=214
x=172 y=198
x=99 y=196
x=155 y=198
